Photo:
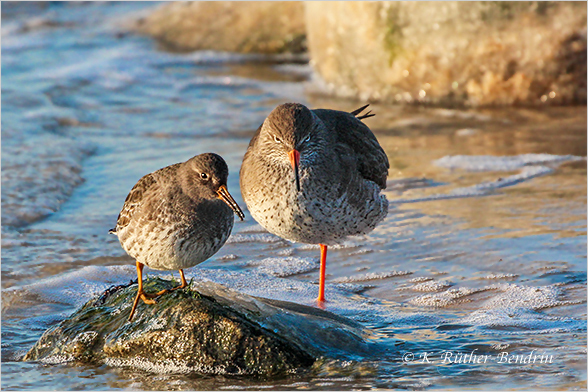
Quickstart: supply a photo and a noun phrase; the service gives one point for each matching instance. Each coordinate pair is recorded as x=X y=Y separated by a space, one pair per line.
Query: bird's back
x=371 y=159
x=147 y=188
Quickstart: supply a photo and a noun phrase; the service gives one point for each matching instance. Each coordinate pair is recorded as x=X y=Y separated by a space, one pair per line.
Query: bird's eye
x=306 y=139
x=204 y=176
x=277 y=139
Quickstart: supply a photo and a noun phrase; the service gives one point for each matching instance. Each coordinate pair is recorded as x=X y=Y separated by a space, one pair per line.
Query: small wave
x=265 y=238
x=431 y=285
x=73 y=288
x=492 y=276
x=199 y=82
x=500 y=163
x=167 y=367
x=448 y=298
x=39 y=175
x=353 y=287
x=516 y=310
x=285 y=266
x=531 y=166
x=371 y=276
x=483 y=188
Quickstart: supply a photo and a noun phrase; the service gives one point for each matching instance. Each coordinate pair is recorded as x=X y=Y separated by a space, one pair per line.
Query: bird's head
x=206 y=175
x=289 y=133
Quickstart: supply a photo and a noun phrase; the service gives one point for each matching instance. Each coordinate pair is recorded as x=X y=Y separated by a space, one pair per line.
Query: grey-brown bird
x=315 y=176
x=177 y=217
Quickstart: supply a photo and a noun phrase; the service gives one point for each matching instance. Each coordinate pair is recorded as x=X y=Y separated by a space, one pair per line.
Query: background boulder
x=474 y=53
x=247 y=27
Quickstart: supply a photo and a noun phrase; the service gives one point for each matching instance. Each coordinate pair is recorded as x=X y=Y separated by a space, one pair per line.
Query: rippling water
x=483 y=251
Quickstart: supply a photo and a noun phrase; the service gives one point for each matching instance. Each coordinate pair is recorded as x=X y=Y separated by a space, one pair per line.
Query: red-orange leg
x=140 y=293
x=181 y=286
x=184 y=283
x=321 y=295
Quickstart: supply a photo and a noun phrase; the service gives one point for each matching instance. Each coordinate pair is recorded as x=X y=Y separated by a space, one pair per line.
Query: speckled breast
x=180 y=243
x=324 y=211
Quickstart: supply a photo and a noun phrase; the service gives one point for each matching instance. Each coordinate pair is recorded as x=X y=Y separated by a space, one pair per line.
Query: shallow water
x=484 y=253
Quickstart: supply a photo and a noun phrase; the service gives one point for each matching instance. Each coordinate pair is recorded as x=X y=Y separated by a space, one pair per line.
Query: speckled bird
x=177 y=217
x=315 y=176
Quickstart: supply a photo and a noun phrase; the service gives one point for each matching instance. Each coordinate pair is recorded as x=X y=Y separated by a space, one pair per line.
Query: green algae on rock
x=205 y=329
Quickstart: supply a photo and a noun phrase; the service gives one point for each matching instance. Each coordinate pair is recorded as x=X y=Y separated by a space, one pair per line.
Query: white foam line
x=482 y=163
x=484 y=188
x=370 y=276
x=284 y=266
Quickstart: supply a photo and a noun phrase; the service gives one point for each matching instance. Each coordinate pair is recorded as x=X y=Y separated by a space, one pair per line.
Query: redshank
x=315 y=176
x=177 y=217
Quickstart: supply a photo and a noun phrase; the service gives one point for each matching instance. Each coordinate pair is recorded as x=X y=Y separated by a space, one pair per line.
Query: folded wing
x=372 y=161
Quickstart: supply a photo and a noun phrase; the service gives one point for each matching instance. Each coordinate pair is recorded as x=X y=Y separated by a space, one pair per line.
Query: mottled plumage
x=341 y=171
x=178 y=216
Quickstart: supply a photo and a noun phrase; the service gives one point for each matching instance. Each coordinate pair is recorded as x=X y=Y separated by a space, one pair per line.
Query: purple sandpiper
x=177 y=217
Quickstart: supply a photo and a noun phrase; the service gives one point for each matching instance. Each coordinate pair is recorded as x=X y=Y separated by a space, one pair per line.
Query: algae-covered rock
x=451 y=52
x=204 y=329
x=245 y=26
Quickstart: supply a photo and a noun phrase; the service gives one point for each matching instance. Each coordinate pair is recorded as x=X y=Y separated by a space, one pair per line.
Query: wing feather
x=146 y=185
x=133 y=200
x=372 y=161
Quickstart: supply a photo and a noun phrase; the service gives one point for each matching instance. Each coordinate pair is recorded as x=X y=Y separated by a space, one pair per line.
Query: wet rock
x=206 y=328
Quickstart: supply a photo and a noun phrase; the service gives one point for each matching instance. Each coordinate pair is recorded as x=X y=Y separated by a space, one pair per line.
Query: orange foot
x=321 y=304
x=146 y=297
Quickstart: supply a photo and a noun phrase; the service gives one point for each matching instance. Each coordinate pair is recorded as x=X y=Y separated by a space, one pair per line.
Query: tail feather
x=367 y=115
x=361 y=109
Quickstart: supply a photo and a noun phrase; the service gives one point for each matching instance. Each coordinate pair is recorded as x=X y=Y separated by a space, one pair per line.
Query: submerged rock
x=204 y=329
